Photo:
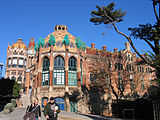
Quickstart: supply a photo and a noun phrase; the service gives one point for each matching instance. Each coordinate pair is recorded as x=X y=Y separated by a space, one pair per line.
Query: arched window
x=13 y=78
x=19 y=79
x=59 y=74
x=72 y=73
x=45 y=72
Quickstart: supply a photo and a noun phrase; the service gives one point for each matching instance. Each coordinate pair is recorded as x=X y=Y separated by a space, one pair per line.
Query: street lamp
x=1 y=67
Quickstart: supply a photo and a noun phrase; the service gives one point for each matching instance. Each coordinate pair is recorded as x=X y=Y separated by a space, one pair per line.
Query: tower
x=16 y=61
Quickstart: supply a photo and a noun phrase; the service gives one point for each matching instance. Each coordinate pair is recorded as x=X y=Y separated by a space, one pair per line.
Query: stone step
x=25 y=100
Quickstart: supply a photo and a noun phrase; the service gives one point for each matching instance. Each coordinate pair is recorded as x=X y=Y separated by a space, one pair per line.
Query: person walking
x=35 y=109
x=51 y=110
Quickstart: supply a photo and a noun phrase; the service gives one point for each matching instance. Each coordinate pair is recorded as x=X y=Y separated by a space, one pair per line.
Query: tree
x=16 y=90
x=148 y=33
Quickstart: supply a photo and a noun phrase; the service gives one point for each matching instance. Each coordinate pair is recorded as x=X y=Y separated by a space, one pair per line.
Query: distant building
x=60 y=64
x=16 y=61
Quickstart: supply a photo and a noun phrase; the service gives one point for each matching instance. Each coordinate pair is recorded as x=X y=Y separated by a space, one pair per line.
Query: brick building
x=16 y=61
x=61 y=66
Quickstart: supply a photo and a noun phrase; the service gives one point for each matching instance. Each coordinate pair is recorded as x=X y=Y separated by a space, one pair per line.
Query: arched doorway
x=44 y=101
x=73 y=106
x=60 y=102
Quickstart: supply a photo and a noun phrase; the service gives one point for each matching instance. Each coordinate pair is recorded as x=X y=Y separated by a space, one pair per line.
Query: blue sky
x=34 y=18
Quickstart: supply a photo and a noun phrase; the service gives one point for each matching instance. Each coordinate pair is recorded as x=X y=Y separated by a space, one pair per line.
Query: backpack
x=30 y=114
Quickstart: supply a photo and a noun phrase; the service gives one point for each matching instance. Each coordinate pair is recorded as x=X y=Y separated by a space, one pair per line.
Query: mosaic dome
x=19 y=44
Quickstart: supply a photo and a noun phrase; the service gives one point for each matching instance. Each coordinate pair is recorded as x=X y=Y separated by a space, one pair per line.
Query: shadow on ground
x=96 y=117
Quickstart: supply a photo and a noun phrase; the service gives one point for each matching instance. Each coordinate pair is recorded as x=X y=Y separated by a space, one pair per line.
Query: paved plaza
x=18 y=113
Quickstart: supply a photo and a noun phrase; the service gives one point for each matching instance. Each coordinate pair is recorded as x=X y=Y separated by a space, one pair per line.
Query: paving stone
x=18 y=114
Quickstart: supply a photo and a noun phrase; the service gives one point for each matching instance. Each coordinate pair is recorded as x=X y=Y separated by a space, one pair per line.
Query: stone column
x=78 y=71
x=27 y=76
x=39 y=69
x=67 y=104
x=51 y=67
x=11 y=61
x=17 y=61
x=66 y=67
x=7 y=62
x=36 y=72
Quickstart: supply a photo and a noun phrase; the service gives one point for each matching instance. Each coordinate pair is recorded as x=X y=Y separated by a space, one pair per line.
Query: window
x=15 y=52
x=13 y=72
x=93 y=77
x=20 y=72
x=116 y=66
x=150 y=80
x=120 y=82
x=19 y=79
x=130 y=67
x=142 y=83
x=109 y=65
x=24 y=63
x=126 y=58
x=21 y=53
x=13 y=78
x=108 y=79
x=131 y=82
x=8 y=72
x=20 y=64
x=142 y=69
x=45 y=72
x=9 y=62
x=72 y=73
x=60 y=102
x=59 y=74
x=31 y=76
x=14 y=64
x=150 y=70
x=119 y=66
x=138 y=70
x=72 y=64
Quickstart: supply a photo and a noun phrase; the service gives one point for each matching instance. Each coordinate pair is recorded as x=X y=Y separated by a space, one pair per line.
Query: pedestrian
x=51 y=110
x=33 y=111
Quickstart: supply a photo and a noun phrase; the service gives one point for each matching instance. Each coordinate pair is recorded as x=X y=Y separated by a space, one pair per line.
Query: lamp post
x=1 y=67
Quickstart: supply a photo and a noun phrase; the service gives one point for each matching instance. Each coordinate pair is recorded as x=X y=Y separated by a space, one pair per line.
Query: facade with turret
x=62 y=66
x=16 y=61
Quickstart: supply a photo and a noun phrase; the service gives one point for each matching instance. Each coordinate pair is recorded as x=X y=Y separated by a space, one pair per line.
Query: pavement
x=18 y=114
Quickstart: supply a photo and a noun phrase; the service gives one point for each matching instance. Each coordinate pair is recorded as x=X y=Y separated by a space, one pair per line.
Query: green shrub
x=14 y=102
x=9 y=106
x=6 y=111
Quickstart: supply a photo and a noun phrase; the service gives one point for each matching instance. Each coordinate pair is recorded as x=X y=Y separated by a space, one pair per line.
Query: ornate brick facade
x=64 y=68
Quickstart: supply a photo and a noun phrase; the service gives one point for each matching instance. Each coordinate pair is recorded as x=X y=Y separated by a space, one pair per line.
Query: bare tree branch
x=155 y=12
x=153 y=48
x=131 y=43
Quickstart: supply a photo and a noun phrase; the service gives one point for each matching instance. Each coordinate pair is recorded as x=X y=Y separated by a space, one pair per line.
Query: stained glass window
x=59 y=73
x=45 y=72
x=72 y=73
